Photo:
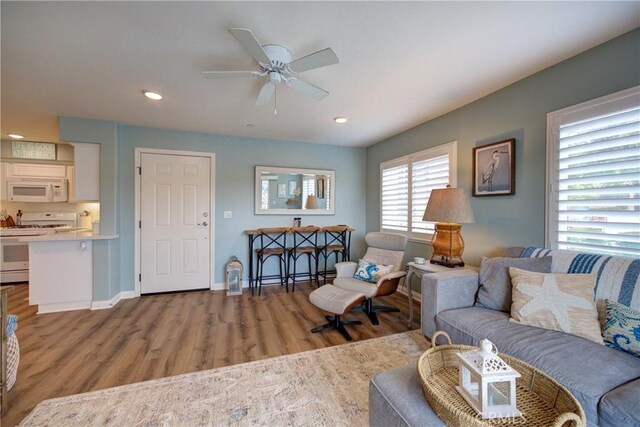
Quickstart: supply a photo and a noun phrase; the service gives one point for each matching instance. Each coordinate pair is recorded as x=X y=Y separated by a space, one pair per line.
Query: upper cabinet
x=32 y=170
x=84 y=175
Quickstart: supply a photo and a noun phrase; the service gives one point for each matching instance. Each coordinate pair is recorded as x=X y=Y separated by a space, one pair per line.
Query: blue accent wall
x=518 y=111
x=236 y=159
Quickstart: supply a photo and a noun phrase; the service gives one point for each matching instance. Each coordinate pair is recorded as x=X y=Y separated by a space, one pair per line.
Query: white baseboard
x=245 y=284
x=101 y=305
x=63 y=306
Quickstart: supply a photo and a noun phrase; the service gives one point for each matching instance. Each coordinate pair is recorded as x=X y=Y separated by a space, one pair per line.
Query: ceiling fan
x=275 y=63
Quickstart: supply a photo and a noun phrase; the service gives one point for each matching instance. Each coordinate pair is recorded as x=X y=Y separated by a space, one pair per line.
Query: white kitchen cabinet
x=84 y=175
x=4 y=174
x=61 y=275
x=34 y=170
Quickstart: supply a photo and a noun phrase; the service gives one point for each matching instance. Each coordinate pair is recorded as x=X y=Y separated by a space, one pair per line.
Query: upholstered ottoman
x=337 y=301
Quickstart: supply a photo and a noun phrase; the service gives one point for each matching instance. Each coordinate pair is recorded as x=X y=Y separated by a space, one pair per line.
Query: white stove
x=36 y=224
x=14 y=255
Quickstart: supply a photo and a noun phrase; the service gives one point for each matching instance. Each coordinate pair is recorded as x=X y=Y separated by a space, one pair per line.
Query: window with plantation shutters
x=594 y=175
x=405 y=186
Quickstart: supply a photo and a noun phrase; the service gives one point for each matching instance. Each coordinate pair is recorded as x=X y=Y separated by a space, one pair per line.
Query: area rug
x=326 y=387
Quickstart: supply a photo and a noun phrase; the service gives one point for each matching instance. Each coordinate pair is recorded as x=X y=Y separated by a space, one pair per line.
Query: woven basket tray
x=543 y=401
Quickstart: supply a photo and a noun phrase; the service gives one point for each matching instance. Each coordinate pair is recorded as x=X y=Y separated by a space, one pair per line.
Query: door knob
x=204 y=224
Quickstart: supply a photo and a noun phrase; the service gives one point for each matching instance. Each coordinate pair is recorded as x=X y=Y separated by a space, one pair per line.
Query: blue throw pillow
x=622 y=328
x=370 y=272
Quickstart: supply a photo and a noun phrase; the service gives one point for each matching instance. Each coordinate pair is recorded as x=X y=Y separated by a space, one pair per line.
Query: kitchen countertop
x=70 y=235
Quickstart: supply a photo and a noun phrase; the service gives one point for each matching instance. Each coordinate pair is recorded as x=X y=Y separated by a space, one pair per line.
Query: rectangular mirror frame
x=331 y=191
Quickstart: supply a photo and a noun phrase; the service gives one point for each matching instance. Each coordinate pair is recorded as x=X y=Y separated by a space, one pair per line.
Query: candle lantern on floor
x=487 y=383
x=233 y=276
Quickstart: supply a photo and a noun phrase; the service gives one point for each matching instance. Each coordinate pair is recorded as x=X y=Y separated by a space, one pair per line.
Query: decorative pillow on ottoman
x=370 y=272
x=622 y=328
x=495 y=282
x=560 y=302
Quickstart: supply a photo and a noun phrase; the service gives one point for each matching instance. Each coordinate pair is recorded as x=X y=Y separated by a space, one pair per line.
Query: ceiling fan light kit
x=275 y=63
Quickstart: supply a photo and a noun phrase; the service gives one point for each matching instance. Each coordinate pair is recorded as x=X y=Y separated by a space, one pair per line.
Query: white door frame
x=137 y=248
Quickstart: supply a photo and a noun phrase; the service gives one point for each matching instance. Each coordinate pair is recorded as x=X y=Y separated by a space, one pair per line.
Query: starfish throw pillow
x=559 y=302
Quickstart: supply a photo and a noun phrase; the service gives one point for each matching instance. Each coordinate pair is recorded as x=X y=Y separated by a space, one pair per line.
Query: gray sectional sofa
x=605 y=381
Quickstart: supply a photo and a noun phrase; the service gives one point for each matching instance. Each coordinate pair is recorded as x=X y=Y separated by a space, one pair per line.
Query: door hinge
x=139 y=170
x=139 y=224
x=139 y=277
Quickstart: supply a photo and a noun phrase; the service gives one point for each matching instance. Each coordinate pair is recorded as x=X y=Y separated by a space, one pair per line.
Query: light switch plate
x=228 y=214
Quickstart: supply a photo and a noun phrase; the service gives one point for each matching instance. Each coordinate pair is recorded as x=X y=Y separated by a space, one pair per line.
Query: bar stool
x=305 y=242
x=273 y=242
x=337 y=241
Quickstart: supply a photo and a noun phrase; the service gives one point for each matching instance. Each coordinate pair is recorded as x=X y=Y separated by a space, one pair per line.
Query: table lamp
x=312 y=202
x=448 y=207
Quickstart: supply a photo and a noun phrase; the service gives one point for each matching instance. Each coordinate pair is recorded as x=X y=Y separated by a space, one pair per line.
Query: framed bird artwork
x=494 y=169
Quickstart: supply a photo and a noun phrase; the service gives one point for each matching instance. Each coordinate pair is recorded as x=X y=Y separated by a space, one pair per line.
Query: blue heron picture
x=493 y=169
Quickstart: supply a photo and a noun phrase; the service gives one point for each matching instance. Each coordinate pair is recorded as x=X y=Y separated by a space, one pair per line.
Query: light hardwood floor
x=162 y=335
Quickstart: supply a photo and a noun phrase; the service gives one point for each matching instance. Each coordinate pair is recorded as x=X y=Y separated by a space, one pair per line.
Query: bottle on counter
x=19 y=218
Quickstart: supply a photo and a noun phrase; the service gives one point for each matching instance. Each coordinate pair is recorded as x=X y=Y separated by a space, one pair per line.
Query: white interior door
x=175 y=222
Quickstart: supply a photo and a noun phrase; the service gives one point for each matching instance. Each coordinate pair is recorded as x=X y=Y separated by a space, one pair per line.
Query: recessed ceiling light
x=340 y=120
x=152 y=95
x=15 y=136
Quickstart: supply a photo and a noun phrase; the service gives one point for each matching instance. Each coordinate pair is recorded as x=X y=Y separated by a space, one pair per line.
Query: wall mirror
x=294 y=191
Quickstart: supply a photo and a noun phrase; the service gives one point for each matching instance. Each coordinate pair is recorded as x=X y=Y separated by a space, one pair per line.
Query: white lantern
x=487 y=383
x=233 y=277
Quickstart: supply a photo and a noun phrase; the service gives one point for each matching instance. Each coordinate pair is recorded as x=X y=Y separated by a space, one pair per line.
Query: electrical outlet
x=228 y=214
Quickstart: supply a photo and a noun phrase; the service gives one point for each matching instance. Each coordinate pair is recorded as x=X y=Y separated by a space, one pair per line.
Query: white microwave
x=37 y=190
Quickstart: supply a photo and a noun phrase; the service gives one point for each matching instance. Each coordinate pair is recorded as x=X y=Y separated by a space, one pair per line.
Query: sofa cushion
x=621 y=406
x=495 y=282
x=396 y=399
x=622 y=328
x=560 y=302
x=588 y=370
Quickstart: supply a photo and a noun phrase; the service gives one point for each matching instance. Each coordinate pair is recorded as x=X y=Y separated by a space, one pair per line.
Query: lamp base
x=447 y=245
x=446 y=263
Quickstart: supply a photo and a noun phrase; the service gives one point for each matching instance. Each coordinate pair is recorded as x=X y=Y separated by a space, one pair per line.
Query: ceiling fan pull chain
x=275 y=99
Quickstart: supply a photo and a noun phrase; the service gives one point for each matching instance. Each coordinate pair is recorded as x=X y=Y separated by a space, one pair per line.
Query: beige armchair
x=383 y=248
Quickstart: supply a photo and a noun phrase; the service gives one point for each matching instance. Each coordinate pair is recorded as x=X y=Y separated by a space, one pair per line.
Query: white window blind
x=425 y=176
x=595 y=198
x=395 y=198
x=405 y=186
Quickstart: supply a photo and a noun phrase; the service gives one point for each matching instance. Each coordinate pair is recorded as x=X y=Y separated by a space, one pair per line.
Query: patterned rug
x=326 y=387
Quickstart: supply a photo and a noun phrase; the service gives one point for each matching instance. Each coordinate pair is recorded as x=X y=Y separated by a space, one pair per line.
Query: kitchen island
x=61 y=270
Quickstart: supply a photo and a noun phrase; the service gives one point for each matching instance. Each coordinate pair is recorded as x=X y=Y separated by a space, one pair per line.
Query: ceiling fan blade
x=307 y=89
x=229 y=74
x=266 y=93
x=250 y=44
x=322 y=58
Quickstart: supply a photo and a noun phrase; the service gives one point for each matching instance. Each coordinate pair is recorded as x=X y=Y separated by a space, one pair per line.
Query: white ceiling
x=401 y=63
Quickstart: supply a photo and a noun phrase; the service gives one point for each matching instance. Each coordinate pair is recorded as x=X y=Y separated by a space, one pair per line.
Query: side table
x=420 y=270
